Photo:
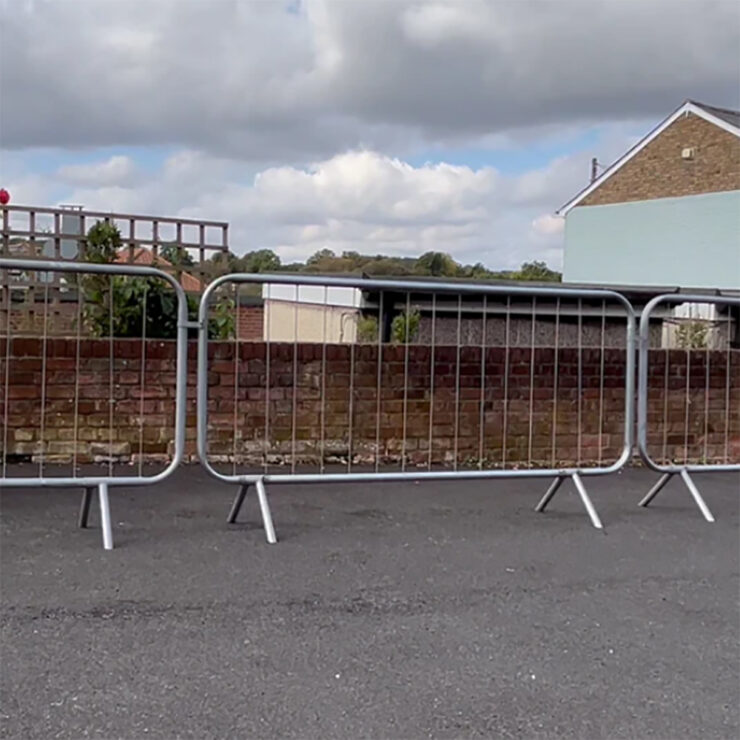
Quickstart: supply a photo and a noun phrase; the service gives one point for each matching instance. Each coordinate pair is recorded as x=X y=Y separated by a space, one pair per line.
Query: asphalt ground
x=394 y=610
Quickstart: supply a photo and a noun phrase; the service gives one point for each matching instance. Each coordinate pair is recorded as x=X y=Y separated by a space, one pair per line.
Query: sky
x=378 y=126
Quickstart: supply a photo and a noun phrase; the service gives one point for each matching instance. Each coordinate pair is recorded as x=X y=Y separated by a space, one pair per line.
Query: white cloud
x=359 y=200
x=117 y=170
x=297 y=127
x=548 y=224
x=255 y=81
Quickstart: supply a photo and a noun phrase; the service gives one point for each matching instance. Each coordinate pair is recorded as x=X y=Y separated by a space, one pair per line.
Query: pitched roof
x=726 y=119
x=144 y=256
x=729 y=116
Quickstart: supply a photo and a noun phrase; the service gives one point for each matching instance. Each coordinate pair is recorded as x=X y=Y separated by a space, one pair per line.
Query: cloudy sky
x=373 y=125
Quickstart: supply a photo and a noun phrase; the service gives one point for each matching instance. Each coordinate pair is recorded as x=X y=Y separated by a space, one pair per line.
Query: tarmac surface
x=394 y=610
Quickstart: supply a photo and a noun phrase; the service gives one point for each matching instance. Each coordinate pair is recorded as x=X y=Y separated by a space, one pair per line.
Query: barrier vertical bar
x=580 y=383
x=481 y=411
x=76 y=420
x=295 y=382
x=457 y=379
x=268 y=370
x=432 y=360
x=377 y=393
x=351 y=404
x=530 y=429
x=6 y=395
x=405 y=407
x=322 y=414
x=505 y=405
x=555 y=383
x=44 y=350
x=111 y=333
x=728 y=368
x=142 y=360
x=602 y=360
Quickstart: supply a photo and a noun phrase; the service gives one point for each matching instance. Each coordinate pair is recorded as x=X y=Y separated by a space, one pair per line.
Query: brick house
x=665 y=213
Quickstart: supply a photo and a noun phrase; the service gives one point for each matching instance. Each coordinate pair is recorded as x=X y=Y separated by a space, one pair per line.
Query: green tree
x=537 y=270
x=437 y=264
x=102 y=242
x=262 y=260
x=115 y=307
x=129 y=306
x=476 y=272
x=390 y=266
x=176 y=256
x=320 y=256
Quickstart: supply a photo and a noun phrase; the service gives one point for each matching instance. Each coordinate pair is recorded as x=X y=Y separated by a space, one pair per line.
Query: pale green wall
x=691 y=242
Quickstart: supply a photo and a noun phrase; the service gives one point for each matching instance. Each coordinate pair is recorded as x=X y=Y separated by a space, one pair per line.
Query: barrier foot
x=585 y=498
x=656 y=489
x=237 y=505
x=105 y=516
x=694 y=491
x=551 y=491
x=265 y=510
x=85 y=508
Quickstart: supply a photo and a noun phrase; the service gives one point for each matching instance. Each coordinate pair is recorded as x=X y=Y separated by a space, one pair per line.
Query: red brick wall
x=250 y=323
x=142 y=411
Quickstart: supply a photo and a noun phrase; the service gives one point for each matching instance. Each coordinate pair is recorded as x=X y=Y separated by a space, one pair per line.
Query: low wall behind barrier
x=539 y=407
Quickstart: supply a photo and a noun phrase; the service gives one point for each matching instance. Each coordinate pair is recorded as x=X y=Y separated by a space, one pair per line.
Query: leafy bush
x=147 y=306
x=222 y=324
x=367 y=329
x=176 y=256
x=692 y=335
x=127 y=306
x=405 y=326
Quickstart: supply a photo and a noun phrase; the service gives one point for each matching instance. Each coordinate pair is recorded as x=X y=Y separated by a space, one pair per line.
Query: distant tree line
x=430 y=264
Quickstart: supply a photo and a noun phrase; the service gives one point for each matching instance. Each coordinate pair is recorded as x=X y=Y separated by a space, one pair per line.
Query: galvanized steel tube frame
x=433 y=288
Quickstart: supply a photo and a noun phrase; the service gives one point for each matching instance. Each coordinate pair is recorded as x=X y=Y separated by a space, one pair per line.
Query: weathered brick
x=659 y=171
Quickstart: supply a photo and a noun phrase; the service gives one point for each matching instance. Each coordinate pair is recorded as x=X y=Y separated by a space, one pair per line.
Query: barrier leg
x=587 y=501
x=656 y=489
x=237 y=505
x=694 y=491
x=105 y=516
x=551 y=491
x=85 y=508
x=265 y=510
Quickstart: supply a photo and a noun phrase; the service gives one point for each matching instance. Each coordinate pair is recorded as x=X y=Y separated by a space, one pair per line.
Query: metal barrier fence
x=388 y=380
x=696 y=423
x=84 y=388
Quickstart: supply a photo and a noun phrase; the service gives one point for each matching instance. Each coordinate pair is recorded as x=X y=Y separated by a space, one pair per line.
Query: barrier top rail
x=642 y=387
x=413 y=286
x=180 y=381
